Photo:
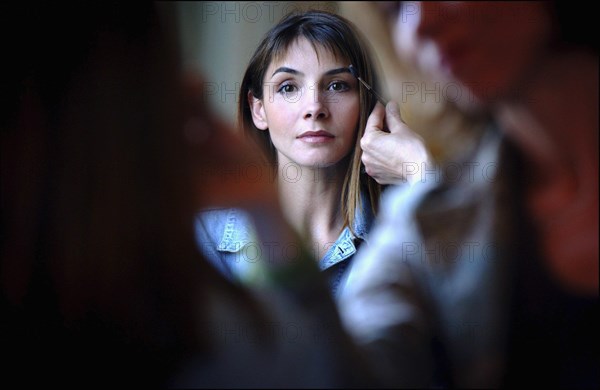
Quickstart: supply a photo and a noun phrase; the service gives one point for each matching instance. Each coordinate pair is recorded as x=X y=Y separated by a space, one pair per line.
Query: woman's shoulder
x=223 y=226
x=221 y=216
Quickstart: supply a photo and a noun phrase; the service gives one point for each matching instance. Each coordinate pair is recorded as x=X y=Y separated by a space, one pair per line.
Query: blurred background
x=219 y=37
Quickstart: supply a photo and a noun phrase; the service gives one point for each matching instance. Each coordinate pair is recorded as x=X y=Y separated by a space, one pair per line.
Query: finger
x=375 y=120
x=393 y=117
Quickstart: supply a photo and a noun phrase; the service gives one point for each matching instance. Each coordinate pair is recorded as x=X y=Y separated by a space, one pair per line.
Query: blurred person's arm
x=384 y=302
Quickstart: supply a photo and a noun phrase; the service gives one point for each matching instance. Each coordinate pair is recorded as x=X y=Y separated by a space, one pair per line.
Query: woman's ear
x=258 y=112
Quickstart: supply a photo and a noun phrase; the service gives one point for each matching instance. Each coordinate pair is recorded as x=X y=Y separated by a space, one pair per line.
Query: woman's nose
x=315 y=105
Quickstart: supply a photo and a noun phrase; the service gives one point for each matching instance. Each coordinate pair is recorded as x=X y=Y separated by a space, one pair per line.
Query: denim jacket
x=228 y=239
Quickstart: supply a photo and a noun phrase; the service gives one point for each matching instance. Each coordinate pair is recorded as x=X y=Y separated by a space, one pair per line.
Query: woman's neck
x=311 y=203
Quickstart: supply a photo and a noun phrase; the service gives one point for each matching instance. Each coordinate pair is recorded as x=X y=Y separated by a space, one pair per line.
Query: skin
x=310 y=91
x=305 y=92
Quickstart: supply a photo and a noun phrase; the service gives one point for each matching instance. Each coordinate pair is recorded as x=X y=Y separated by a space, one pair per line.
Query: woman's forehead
x=306 y=46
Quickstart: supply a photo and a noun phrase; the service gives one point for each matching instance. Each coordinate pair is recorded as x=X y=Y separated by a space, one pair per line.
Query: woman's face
x=310 y=106
x=487 y=46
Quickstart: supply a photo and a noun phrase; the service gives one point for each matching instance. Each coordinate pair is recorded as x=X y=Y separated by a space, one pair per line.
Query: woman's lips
x=319 y=136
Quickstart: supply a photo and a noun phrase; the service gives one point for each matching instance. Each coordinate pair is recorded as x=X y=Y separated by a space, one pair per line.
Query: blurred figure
x=493 y=272
x=529 y=75
x=101 y=282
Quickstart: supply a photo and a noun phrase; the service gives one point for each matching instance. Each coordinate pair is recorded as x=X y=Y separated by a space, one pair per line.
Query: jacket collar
x=239 y=229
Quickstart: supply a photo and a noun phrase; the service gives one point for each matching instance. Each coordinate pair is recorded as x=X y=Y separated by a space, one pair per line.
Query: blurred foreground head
x=101 y=145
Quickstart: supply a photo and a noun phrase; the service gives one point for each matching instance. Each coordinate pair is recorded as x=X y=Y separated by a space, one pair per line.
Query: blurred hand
x=396 y=156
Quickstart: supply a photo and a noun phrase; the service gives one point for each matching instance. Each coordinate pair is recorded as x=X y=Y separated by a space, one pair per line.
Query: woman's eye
x=338 y=86
x=287 y=88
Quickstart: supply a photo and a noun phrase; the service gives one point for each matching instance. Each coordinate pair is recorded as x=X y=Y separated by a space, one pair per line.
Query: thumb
x=375 y=120
x=393 y=116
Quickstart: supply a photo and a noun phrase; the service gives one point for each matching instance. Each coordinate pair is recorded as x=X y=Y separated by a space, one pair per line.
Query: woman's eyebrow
x=337 y=71
x=285 y=69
